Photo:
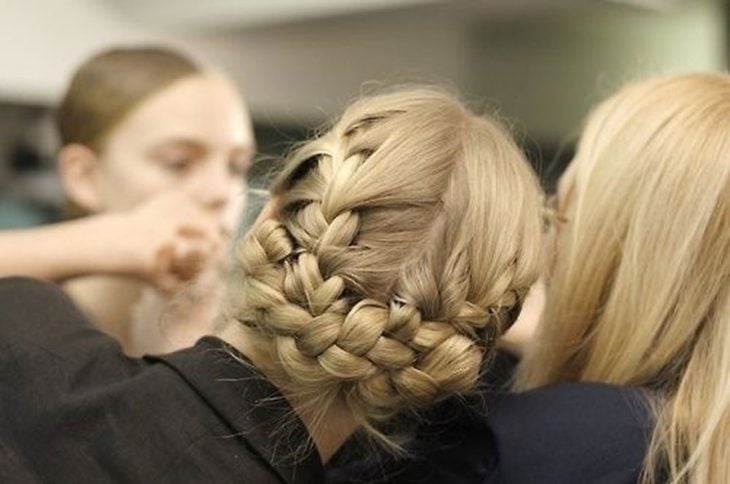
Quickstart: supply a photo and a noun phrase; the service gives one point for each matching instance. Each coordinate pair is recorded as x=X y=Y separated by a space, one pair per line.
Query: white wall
x=543 y=65
x=42 y=41
x=549 y=70
x=305 y=72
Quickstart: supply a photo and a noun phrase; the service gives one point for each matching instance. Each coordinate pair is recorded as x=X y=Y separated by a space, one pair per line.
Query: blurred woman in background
x=135 y=124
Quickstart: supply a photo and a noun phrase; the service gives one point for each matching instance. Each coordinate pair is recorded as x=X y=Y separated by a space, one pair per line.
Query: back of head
x=110 y=85
x=402 y=237
x=641 y=293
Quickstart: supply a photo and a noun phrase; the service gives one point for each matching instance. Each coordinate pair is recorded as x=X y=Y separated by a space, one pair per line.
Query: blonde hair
x=403 y=235
x=640 y=294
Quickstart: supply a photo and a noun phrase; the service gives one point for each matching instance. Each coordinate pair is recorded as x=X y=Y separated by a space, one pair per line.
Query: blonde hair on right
x=641 y=290
x=404 y=235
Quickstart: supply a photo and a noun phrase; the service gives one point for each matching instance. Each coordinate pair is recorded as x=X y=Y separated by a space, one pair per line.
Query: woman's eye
x=177 y=164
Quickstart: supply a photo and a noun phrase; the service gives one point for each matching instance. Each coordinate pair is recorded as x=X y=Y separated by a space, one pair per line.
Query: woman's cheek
x=234 y=211
x=141 y=182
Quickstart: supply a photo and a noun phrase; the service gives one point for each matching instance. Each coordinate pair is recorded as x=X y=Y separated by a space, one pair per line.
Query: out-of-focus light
x=650 y=4
x=241 y=14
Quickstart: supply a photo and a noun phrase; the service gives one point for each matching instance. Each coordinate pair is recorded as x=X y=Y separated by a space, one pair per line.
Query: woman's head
x=138 y=121
x=641 y=294
x=402 y=237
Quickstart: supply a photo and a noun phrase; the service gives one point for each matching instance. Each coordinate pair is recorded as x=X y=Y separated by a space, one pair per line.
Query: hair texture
x=402 y=236
x=108 y=86
x=640 y=293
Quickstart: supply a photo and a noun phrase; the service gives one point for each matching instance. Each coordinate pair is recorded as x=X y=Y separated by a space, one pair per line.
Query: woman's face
x=195 y=135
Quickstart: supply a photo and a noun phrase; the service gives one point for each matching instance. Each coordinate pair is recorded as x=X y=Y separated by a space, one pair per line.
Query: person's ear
x=78 y=168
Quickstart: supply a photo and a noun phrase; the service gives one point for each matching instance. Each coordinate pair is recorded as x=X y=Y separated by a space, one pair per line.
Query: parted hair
x=402 y=236
x=107 y=87
x=111 y=84
x=641 y=290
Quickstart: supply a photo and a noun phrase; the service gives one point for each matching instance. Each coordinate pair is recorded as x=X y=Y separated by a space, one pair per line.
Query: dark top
x=73 y=408
x=567 y=433
x=448 y=443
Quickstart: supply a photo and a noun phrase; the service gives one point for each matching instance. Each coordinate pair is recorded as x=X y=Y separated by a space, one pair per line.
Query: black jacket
x=73 y=408
x=569 y=433
x=572 y=433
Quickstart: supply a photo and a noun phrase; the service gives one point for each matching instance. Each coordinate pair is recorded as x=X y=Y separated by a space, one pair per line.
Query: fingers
x=193 y=252
x=177 y=239
x=161 y=275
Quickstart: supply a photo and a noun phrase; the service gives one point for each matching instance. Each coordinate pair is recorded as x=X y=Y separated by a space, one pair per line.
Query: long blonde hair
x=402 y=236
x=640 y=294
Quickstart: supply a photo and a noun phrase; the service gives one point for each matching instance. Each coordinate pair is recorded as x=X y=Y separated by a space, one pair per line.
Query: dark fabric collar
x=252 y=407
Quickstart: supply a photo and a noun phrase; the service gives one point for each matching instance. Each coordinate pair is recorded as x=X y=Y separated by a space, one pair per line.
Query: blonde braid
x=388 y=351
x=365 y=284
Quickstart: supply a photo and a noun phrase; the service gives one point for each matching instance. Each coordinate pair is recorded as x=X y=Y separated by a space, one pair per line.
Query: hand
x=169 y=240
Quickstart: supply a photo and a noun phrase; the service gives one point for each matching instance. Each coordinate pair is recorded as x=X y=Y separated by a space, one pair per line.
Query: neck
x=106 y=301
x=328 y=430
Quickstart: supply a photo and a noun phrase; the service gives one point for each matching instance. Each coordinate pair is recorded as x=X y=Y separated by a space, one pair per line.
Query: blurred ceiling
x=243 y=14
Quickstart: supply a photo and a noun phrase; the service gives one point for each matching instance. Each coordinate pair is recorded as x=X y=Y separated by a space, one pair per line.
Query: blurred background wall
x=539 y=63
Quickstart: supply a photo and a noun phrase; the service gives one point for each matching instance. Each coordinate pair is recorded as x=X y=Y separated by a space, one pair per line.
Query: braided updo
x=402 y=235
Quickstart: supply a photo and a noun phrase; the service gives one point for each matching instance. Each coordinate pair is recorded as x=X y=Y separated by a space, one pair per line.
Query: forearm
x=63 y=250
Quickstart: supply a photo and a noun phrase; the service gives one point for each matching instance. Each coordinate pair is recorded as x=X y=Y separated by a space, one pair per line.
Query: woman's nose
x=212 y=187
